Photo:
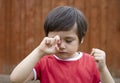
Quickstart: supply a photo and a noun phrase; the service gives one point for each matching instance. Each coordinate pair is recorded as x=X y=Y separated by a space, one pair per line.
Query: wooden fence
x=21 y=29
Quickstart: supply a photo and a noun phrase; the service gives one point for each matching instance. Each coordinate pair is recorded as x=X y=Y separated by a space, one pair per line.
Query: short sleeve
x=39 y=67
x=37 y=71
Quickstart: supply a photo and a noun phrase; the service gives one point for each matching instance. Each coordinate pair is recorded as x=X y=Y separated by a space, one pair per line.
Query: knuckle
x=46 y=38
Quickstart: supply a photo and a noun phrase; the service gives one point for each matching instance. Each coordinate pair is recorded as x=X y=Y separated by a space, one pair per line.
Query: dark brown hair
x=63 y=18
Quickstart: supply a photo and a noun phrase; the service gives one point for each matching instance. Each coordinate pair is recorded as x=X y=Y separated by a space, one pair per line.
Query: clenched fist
x=49 y=45
x=100 y=58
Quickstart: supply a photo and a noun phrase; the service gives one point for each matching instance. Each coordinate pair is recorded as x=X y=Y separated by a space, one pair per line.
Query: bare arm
x=106 y=76
x=30 y=77
x=22 y=71
x=100 y=58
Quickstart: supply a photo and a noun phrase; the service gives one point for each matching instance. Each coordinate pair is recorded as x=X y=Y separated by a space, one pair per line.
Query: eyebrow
x=71 y=37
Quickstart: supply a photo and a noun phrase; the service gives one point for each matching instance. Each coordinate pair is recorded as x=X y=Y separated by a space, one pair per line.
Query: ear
x=82 y=40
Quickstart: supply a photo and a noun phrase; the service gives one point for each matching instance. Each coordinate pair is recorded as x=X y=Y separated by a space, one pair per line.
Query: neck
x=67 y=56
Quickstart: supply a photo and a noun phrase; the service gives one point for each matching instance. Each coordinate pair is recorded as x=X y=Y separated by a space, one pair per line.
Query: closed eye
x=69 y=41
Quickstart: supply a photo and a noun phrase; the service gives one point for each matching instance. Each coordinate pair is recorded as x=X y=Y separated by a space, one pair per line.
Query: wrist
x=40 y=51
x=103 y=69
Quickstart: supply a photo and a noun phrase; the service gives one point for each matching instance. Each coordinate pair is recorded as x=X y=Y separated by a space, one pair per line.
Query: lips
x=62 y=52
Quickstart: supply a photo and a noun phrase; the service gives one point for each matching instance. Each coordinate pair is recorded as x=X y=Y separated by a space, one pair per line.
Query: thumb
x=92 y=52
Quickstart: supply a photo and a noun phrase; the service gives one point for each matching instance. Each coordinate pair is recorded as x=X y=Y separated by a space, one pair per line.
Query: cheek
x=73 y=50
x=74 y=47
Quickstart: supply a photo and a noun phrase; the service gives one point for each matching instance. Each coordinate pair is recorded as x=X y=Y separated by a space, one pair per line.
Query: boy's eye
x=68 y=41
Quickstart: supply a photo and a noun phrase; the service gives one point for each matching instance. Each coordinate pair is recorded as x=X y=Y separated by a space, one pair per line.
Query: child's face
x=69 y=42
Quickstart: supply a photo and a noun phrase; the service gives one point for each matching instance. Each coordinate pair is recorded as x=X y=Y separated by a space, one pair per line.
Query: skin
x=100 y=58
x=64 y=44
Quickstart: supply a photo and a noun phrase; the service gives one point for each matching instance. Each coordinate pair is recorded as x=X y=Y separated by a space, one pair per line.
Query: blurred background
x=21 y=29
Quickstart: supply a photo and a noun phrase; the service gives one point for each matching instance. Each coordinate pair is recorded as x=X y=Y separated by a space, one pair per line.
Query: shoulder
x=87 y=56
x=45 y=58
x=44 y=61
x=87 y=59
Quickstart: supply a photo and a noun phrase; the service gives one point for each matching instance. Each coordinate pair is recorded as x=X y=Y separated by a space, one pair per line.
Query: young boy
x=56 y=59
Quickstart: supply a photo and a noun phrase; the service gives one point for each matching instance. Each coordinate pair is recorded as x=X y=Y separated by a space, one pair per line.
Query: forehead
x=72 y=32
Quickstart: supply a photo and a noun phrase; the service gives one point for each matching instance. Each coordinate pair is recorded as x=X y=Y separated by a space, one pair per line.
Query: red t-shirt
x=83 y=69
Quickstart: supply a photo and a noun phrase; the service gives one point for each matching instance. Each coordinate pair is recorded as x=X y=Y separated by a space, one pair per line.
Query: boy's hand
x=100 y=58
x=49 y=45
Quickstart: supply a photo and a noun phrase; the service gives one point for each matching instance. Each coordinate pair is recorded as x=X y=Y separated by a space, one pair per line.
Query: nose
x=61 y=45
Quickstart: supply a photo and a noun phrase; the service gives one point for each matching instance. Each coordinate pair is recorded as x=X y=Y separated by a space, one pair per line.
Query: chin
x=64 y=55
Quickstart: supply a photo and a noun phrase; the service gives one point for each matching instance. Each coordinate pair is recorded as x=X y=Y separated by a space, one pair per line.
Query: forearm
x=21 y=72
x=106 y=76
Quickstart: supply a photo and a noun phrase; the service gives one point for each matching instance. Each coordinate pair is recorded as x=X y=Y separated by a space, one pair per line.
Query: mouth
x=62 y=52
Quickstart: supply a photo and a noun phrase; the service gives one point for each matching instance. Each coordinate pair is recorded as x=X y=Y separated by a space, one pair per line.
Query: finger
x=47 y=41
x=99 y=55
x=53 y=41
x=99 y=58
x=57 y=39
x=92 y=52
x=98 y=51
x=57 y=48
